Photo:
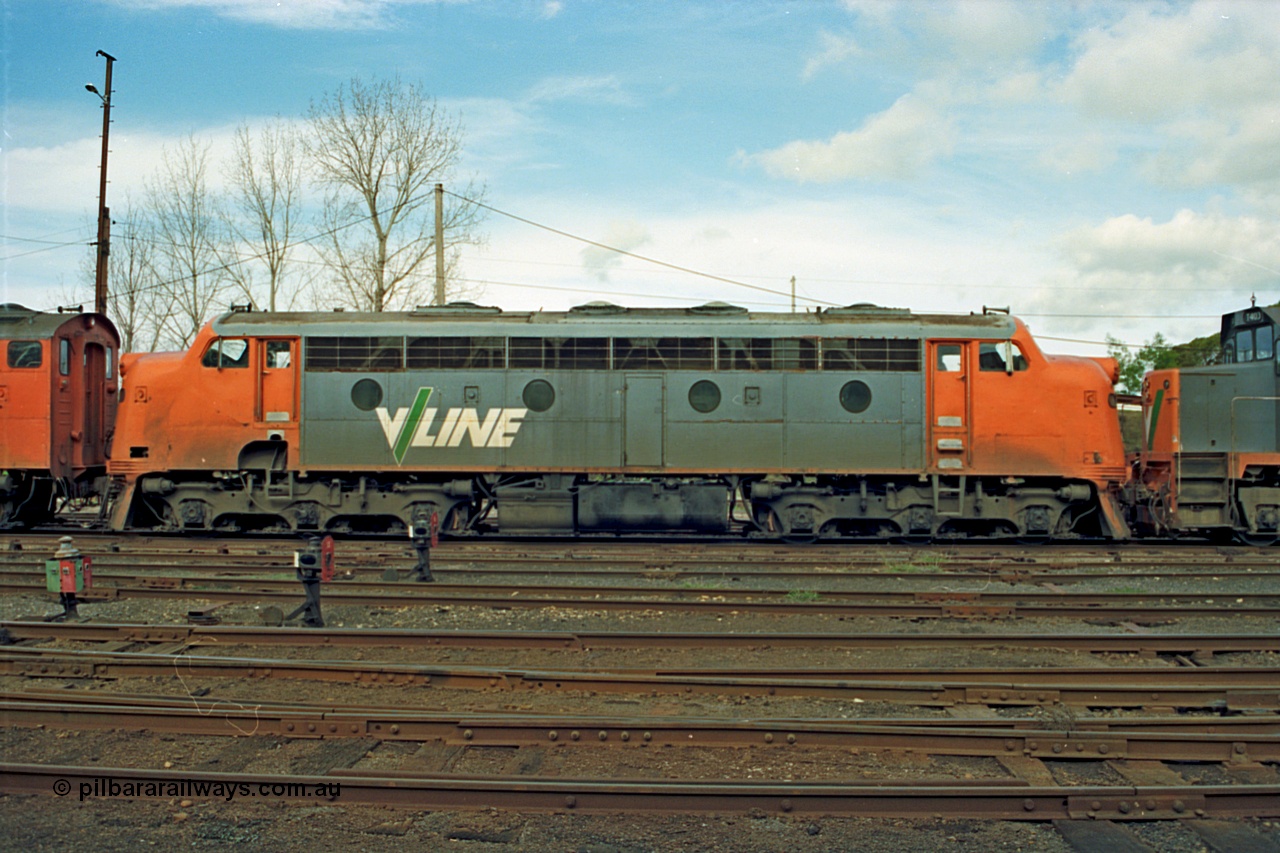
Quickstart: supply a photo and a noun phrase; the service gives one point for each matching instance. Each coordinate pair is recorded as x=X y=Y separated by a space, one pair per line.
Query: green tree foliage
x=1158 y=354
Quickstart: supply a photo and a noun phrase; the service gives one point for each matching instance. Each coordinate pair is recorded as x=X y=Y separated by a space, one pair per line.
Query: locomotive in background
x=848 y=423
x=1210 y=465
x=57 y=409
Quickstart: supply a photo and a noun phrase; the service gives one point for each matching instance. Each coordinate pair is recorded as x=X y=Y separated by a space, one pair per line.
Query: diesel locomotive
x=1210 y=465
x=57 y=408
x=859 y=422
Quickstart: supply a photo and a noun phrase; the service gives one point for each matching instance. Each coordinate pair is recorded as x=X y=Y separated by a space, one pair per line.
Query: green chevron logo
x=401 y=427
x=413 y=426
x=1153 y=418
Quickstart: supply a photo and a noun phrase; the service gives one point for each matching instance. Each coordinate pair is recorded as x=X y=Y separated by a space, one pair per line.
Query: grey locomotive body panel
x=790 y=419
x=1229 y=409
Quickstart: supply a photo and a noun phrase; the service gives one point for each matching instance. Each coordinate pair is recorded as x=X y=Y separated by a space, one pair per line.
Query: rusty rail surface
x=918 y=798
x=108 y=582
x=1118 y=643
x=1118 y=606
x=1251 y=739
x=1229 y=688
x=740 y=552
x=660 y=570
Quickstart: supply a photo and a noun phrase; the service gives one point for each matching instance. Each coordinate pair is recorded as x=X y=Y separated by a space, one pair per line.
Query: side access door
x=277 y=397
x=950 y=413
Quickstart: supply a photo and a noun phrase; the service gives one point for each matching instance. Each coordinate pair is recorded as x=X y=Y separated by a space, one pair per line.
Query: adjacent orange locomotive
x=57 y=409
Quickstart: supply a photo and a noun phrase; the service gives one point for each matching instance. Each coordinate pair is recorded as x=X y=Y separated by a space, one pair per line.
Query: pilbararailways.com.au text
x=198 y=789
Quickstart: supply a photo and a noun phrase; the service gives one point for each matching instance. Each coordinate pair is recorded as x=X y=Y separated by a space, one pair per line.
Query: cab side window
x=278 y=354
x=227 y=352
x=25 y=354
x=1244 y=345
x=991 y=357
x=949 y=358
x=1265 y=343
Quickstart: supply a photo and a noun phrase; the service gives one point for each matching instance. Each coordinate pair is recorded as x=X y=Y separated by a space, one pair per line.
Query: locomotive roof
x=1252 y=316
x=17 y=321
x=603 y=319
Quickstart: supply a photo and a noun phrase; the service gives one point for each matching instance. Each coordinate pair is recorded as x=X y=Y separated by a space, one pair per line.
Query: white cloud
x=592 y=90
x=835 y=50
x=625 y=235
x=1174 y=277
x=1086 y=153
x=1154 y=65
x=1202 y=249
x=896 y=144
x=290 y=14
x=1204 y=79
x=983 y=33
x=64 y=178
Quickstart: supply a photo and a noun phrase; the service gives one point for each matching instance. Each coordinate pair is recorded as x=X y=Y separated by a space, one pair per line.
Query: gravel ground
x=46 y=823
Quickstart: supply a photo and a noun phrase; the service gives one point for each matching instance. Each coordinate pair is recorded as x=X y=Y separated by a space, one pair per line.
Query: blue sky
x=1102 y=168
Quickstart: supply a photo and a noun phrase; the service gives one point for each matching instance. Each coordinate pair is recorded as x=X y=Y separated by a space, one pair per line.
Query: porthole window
x=366 y=395
x=539 y=395
x=855 y=396
x=704 y=396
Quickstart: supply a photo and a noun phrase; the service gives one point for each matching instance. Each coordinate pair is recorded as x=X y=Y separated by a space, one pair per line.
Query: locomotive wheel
x=1255 y=540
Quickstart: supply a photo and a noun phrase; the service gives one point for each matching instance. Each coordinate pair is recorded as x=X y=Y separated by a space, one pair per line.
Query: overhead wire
x=661 y=264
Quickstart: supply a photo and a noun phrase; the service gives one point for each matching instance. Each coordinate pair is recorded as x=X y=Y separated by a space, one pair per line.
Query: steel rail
x=744 y=552
x=106 y=580
x=919 y=798
x=443 y=570
x=1220 y=688
x=918 y=605
x=1259 y=722
x=246 y=718
x=990 y=678
x=1119 y=643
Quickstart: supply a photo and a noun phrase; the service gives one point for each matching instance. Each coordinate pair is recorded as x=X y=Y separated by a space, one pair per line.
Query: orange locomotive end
x=1005 y=410
x=57 y=409
x=227 y=404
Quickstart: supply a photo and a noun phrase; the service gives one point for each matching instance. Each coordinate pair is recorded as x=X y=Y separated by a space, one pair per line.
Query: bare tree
x=266 y=180
x=187 y=227
x=380 y=148
x=134 y=300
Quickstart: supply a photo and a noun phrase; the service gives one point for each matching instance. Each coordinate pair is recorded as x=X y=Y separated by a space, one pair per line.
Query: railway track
x=585 y=796
x=1253 y=737
x=623 y=552
x=910 y=604
x=575 y=731
x=1217 y=688
x=1130 y=642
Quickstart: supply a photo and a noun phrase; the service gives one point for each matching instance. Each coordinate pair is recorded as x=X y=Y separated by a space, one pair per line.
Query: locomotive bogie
x=287 y=502
x=935 y=506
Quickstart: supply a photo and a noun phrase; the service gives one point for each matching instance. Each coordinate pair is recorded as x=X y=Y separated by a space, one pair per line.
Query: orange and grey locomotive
x=1210 y=464
x=858 y=422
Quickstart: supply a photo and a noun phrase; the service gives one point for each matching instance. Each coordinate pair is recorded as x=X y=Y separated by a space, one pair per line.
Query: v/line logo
x=411 y=426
